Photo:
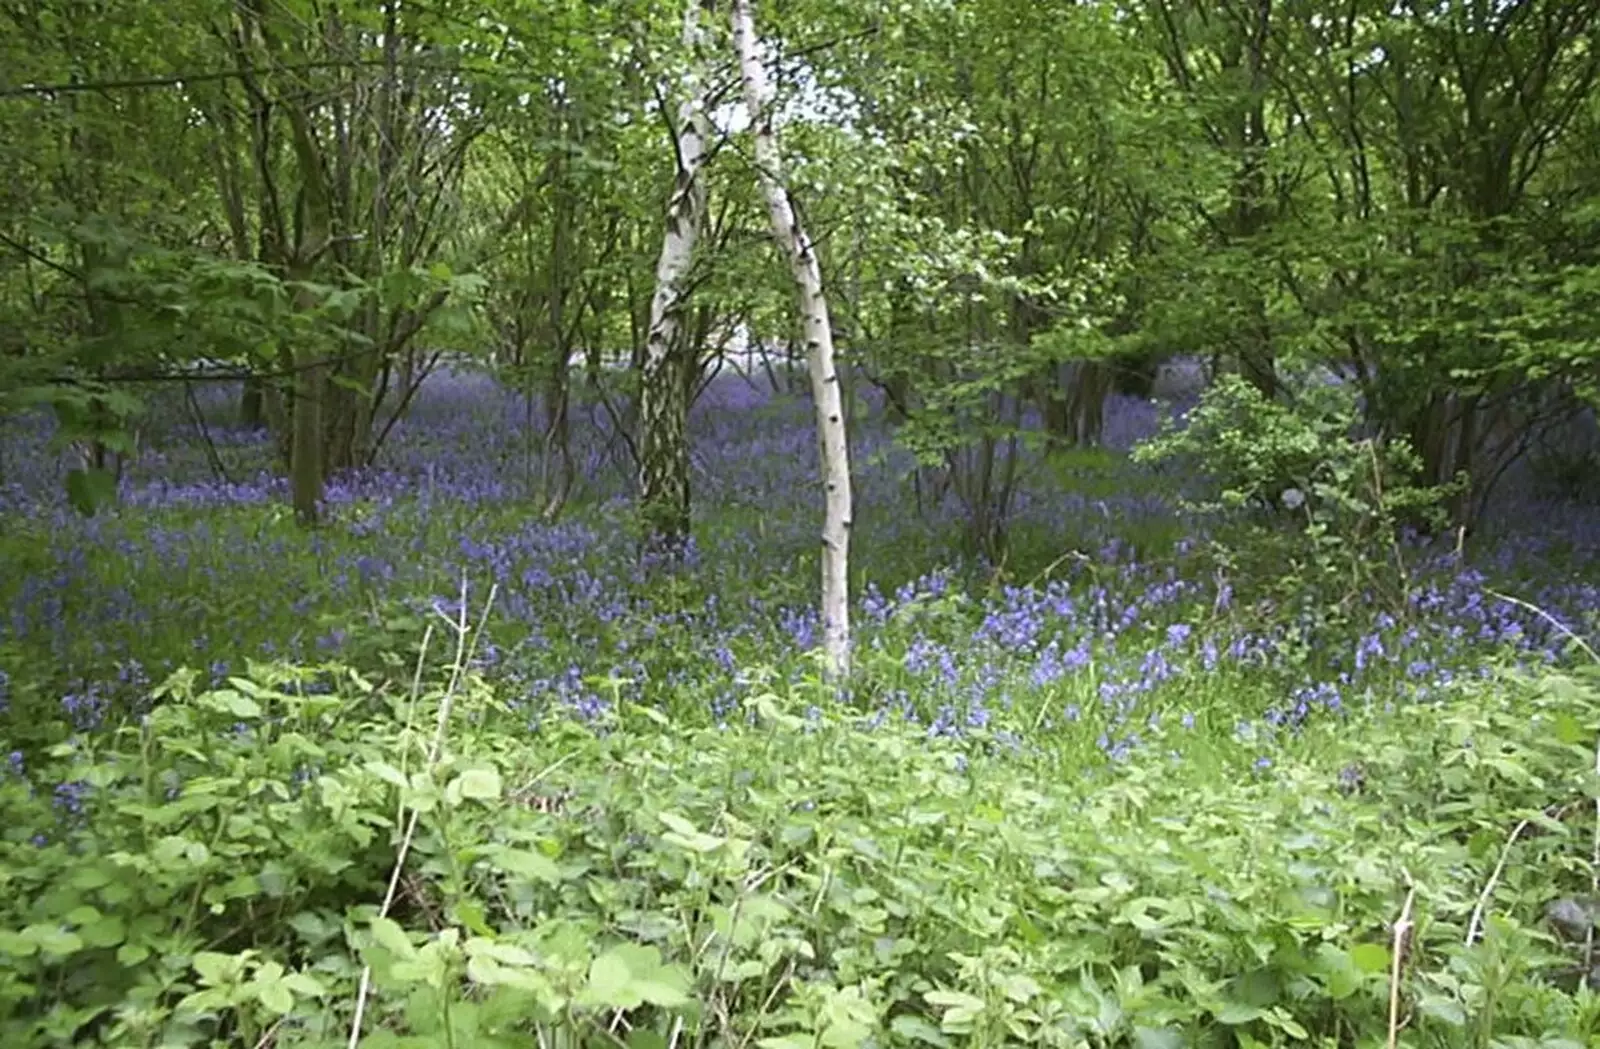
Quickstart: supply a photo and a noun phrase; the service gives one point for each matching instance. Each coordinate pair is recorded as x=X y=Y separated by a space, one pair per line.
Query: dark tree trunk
x=557 y=439
x=305 y=457
x=1075 y=407
x=663 y=428
x=253 y=404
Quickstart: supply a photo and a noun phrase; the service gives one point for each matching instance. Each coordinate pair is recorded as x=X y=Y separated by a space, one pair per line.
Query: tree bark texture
x=663 y=404
x=832 y=439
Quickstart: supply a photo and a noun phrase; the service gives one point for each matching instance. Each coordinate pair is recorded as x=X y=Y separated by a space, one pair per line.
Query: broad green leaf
x=1233 y=1013
x=388 y=773
x=16 y=945
x=388 y=935
x=216 y=969
x=610 y=983
x=915 y=1028
x=479 y=784
x=1157 y=1038
x=954 y=1000
x=1370 y=957
x=53 y=940
x=275 y=996
x=525 y=863
x=1445 y=1010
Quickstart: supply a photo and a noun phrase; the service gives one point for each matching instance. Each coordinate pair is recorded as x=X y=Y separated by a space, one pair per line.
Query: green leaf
x=478 y=784
x=1445 y=1010
x=954 y=1000
x=276 y=997
x=1157 y=1038
x=504 y=953
x=131 y=954
x=88 y=490
x=1370 y=957
x=787 y=1041
x=231 y=702
x=665 y=987
x=525 y=863
x=305 y=984
x=1338 y=971
x=1234 y=1013
x=388 y=935
x=388 y=773
x=53 y=940
x=610 y=983
x=107 y=931
x=1568 y=730
x=217 y=969
x=16 y=945
x=685 y=835
x=916 y=1029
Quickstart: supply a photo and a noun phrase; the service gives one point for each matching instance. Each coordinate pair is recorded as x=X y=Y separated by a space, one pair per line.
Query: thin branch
x=211 y=76
x=1402 y=937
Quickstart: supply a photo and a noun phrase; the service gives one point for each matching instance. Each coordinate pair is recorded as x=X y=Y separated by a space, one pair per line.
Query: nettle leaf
x=1370 y=957
x=388 y=934
x=629 y=975
x=477 y=784
x=917 y=1029
x=961 y=1010
x=524 y=863
x=1158 y=1038
x=683 y=834
x=218 y=969
x=388 y=773
x=275 y=996
x=1338 y=971
x=611 y=983
x=1233 y=1013
x=1444 y=1009
x=230 y=702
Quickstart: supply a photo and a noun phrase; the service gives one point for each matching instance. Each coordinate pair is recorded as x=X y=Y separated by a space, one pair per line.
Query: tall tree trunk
x=307 y=470
x=253 y=403
x=1087 y=388
x=305 y=449
x=557 y=469
x=832 y=439
x=663 y=405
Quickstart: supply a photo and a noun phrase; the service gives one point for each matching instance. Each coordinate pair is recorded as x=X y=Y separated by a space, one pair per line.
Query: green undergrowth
x=225 y=872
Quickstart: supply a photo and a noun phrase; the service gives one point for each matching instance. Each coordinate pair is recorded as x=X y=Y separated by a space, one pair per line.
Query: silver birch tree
x=832 y=441
x=663 y=396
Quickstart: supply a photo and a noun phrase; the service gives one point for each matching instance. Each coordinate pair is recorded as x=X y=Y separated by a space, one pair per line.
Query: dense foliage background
x=410 y=502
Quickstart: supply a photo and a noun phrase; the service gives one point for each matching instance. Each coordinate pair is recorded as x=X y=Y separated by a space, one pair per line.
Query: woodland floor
x=1102 y=793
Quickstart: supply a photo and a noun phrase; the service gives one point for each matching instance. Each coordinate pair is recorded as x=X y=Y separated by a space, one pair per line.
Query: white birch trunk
x=663 y=408
x=831 y=437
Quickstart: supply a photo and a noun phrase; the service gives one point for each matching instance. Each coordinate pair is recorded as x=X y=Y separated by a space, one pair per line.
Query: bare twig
x=766 y=1004
x=1402 y=937
x=1475 y=925
x=466 y=644
x=1547 y=617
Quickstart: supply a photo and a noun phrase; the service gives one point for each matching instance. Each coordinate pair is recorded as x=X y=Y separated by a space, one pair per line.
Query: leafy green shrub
x=219 y=876
x=1298 y=470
